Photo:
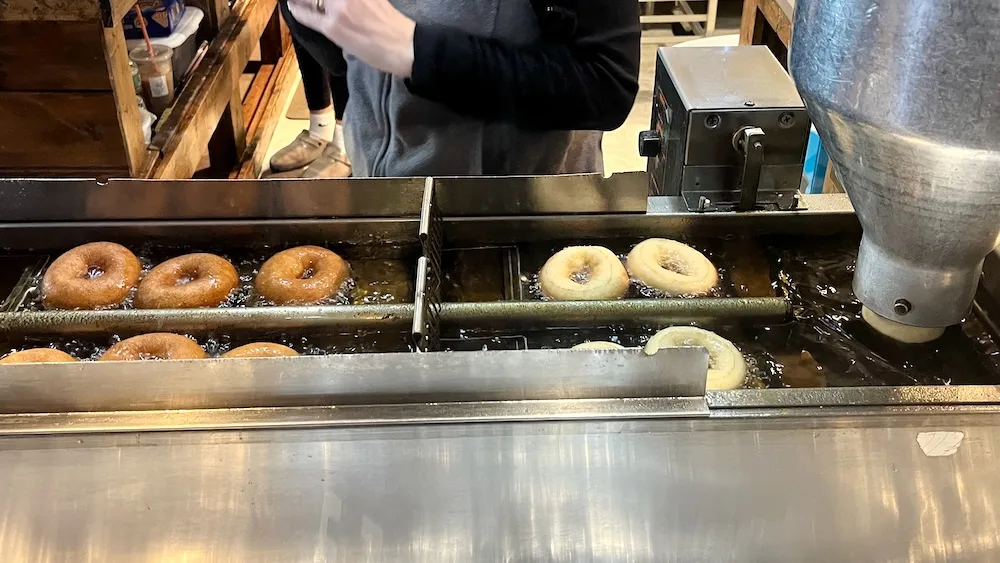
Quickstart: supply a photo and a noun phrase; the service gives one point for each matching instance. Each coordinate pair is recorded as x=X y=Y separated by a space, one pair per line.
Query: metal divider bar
x=427 y=292
x=400 y=316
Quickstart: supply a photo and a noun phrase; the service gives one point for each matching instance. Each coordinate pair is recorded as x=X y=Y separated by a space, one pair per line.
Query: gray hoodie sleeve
x=587 y=81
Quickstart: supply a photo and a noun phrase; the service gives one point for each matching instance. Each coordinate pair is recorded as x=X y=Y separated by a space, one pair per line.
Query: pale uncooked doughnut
x=584 y=273
x=726 y=367
x=598 y=345
x=672 y=267
x=898 y=331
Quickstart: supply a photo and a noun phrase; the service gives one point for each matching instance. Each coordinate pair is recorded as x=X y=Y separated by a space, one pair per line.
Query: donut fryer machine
x=449 y=455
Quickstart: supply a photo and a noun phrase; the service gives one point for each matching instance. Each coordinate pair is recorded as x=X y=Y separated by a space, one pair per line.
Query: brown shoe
x=333 y=163
x=293 y=173
x=301 y=152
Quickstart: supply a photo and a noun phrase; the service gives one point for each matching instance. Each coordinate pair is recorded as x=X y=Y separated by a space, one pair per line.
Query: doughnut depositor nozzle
x=904 y=96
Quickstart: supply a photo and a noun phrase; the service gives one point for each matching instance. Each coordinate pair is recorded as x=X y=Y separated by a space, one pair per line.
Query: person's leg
x=338 y=89
x=324 y=80
x=309 y=144
x=316 y=85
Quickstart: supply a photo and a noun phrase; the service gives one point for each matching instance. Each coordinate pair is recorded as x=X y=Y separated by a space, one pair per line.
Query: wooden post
x=713 y=12
x=768 y=22
x=129 y=120
x=229 y=142
x=272 y=42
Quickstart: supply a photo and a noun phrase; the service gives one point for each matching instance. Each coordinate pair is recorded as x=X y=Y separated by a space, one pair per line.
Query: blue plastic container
x=814 y=169
x=162 y=17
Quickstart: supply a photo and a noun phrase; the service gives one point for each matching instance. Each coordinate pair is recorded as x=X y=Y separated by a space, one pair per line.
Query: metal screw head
x=786 y=120
x=902 y=307
x=713 y=121
x=749 y=103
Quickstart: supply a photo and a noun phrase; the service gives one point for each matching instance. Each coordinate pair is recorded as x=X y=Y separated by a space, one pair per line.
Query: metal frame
x=354 y=379
x=30 y=201
x=546 y=209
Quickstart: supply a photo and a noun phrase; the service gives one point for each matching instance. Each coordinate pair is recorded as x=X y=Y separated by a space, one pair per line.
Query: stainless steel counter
x=845 y=489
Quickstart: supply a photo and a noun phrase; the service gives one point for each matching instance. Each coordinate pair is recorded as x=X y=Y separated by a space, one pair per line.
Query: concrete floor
x=620 y=146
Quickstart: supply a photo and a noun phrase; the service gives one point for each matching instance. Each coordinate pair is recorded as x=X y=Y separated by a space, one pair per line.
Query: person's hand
x=371 y=30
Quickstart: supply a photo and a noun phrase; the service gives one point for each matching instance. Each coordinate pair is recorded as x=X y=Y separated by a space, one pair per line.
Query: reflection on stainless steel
x=353 y=379
x=671 y=490
x=89 y=200
x=667 y=217
x=855 y=396
x=907 y=105
x=389 y=316
x=539 y=195
x=823 y=214
x=59 y=236
x=352 y=415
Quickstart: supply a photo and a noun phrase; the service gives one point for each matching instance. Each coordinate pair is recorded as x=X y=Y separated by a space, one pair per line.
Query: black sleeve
x=588 y=81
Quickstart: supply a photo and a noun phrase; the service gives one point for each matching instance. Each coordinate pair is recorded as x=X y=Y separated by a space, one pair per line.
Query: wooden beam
x=198 y=109
x=272 y=44
x=229 y=141
x=129 y=118
x=779 y=13
x=282 y=85
x=759 y=14
x=257 y=95
x=749 y=25
x=119 y=8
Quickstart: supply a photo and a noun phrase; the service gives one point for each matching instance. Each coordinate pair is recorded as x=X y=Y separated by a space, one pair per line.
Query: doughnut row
x=100 y=275
x=155 y=346
x=594 y=273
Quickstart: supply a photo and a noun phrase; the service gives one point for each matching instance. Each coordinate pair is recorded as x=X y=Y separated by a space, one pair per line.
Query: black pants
x=322 y=65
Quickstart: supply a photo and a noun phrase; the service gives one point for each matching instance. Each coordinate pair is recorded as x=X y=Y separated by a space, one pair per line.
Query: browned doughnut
x=187 y=282
x=301 y=275
x=155 y=346
x=260 y=350
x=91 y=276
x=37 y=356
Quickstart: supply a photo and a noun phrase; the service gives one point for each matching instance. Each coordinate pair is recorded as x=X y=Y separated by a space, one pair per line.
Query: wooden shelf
x=768 y=22
x=183 y=138
x=71 y=102
x=703 y=22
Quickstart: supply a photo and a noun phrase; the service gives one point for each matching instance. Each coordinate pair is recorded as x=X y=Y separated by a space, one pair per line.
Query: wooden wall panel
x=61 y=10
x=60 y=130
x=47 y=55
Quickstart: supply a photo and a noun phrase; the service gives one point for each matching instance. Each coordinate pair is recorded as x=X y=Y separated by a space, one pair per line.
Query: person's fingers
x=306 y=14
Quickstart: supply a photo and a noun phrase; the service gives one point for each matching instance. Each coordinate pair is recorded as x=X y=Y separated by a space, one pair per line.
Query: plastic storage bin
x=163 y=17
x=183 y=41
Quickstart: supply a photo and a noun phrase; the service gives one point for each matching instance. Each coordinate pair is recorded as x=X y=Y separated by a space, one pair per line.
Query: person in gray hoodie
x=477 y=87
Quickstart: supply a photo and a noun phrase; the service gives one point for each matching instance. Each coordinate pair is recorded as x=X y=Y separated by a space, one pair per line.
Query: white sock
x=323 y=124
x=338 y=136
